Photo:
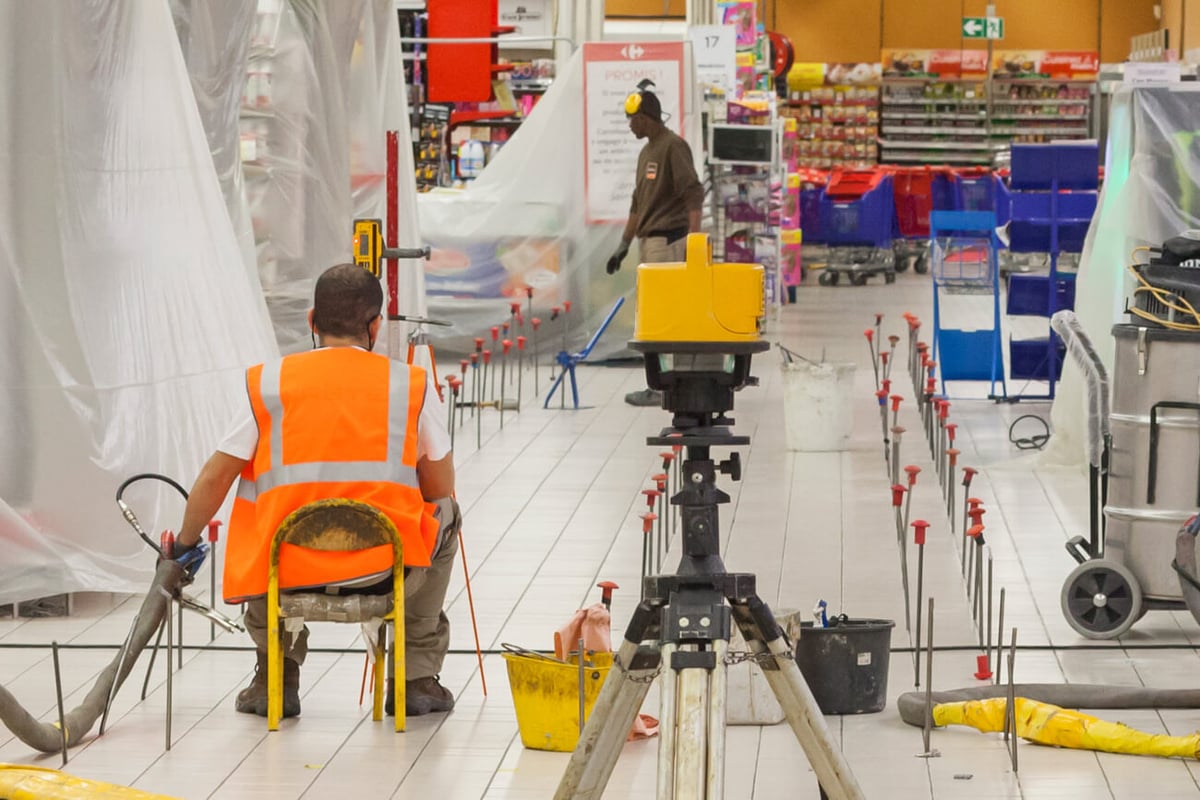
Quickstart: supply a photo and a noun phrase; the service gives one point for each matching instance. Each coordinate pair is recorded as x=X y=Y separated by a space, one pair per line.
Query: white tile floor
x=551 y=508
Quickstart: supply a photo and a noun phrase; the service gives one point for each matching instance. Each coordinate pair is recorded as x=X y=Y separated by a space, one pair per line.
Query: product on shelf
x=836 y=123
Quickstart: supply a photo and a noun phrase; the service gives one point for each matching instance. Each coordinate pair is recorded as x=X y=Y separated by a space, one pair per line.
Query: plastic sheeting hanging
x=215 y=38
x=523 y=222
x=128 y=314
x=1151 y=192
x=325 y=84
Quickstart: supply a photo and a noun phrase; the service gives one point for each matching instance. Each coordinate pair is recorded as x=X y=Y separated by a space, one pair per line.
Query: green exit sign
x=983 y=27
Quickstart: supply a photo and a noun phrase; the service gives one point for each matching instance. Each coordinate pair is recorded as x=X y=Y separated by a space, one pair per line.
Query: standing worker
x=667 y=198
x=337 y=422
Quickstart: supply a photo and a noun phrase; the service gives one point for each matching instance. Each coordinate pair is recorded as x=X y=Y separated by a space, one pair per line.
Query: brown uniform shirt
x=667 y=186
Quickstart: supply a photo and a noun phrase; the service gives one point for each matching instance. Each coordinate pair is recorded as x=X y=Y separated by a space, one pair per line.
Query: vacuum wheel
x=889 y=277
x=858 y=278
x=1101 y=599
x=921 y=266
x=828 y=278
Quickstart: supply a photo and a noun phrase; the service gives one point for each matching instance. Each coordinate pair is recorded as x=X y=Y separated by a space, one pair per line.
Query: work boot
x=421 y=696
x=253 y=699
x=645 y=397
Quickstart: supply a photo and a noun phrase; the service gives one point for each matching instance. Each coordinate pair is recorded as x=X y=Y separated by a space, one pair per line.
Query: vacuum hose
x=1065 y=695
x=45 y=736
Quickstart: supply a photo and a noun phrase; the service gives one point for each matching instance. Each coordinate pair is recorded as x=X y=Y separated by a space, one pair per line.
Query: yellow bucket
x=546 y=697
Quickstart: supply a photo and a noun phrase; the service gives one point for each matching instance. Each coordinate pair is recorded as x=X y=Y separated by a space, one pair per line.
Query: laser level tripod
x=680 y=631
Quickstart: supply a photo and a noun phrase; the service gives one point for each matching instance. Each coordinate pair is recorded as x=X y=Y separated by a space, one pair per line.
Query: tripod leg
x=668 y=730
x=691 y=719
x=763 y=635
x=612 y=716
x=716 y=723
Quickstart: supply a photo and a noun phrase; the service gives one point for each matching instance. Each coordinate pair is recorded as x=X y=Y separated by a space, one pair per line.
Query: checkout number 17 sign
x=612 y=71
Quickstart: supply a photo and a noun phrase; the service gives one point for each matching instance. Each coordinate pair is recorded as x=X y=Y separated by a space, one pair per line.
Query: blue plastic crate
x=1074 y=166
x=1031 y=221
x=866 y=221
x=1029 y=359
x=1029 y=295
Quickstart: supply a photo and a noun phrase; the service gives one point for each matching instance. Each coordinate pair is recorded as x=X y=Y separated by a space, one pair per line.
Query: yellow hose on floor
x=20 y=782
x=1062 y=727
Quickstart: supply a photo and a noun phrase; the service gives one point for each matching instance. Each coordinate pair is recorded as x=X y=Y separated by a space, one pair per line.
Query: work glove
x=614 y=263
x=190 y=558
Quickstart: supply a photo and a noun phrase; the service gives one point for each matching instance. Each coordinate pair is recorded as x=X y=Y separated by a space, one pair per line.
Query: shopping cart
x=856 y=222
x=918 y=191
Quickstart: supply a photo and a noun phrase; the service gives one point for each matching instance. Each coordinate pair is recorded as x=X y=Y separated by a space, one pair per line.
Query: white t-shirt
x=433 y=441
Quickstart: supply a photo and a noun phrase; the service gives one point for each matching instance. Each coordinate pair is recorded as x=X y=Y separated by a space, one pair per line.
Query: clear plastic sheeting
x=1151 y=192
x=523 y=223
x=324 y=83
x=128 y=315
x=215 y=38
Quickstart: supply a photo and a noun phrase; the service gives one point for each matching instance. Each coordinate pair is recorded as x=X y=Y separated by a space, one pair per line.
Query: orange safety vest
x=337 y=422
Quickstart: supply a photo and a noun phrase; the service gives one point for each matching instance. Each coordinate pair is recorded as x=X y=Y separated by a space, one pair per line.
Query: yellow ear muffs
x=633 y=104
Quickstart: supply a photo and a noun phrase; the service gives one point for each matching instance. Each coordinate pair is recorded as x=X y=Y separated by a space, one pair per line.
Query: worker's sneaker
x=645 y=397
x=421 y=696
x=253 y=699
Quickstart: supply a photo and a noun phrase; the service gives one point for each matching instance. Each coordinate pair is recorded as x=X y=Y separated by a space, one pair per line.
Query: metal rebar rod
x=920 y=594
x=153 y=655
x=987 y=649
x=170 y=675
x=582 y=684
x=112 y=692
x=928 y=730
x=58 y=693
x=999 y=635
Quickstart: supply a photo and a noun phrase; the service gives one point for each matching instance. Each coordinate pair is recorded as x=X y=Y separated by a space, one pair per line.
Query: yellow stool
x=336 y=525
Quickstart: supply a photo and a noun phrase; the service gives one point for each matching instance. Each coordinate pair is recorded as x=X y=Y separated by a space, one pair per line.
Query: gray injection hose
x=1064 y=695
x=45 y=736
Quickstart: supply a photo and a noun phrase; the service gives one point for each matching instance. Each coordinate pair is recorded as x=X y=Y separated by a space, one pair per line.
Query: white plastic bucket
x=818 y=412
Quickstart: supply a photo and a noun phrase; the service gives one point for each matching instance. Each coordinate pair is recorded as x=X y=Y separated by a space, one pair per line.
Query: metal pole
x=926 y=733
x=62 y=716
x=999 y=635
x=170 y=673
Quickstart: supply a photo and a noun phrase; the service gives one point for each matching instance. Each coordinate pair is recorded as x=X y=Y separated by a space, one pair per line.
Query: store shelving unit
x=973 y=121
x=838 y=126
x=934 y=121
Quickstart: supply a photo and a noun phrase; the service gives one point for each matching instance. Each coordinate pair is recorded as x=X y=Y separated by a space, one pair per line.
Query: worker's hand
x=190 y=558
x=614 y=263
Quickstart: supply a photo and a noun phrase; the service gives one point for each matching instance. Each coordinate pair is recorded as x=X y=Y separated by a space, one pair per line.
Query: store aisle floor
x=551 y=507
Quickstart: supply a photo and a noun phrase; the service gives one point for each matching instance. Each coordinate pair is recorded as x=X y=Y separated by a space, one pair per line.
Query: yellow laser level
x=699 y=301
x=368 y=245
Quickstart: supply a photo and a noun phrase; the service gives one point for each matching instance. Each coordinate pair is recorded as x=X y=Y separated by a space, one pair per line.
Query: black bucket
x=846 y=666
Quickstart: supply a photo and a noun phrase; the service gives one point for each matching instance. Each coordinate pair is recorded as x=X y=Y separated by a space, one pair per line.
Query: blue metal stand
x=963 y=259
x=567 y=361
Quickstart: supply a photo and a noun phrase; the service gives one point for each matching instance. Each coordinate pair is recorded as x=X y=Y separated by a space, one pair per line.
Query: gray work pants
x=655 y=250
x=426 y=628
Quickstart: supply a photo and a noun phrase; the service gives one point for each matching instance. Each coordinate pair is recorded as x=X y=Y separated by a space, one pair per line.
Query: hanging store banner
x=612 y=70
x=1046 y=64
x=944 y=64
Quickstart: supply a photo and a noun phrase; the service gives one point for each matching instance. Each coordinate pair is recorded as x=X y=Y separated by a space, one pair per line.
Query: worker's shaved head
x=347 y=299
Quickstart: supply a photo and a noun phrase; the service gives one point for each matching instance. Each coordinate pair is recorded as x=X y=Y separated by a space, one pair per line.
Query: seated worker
x=339 y=421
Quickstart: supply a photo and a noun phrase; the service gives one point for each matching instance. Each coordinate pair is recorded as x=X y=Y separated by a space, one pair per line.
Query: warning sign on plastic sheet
x=612 y=70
